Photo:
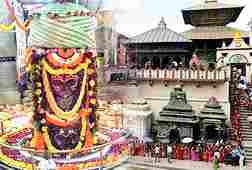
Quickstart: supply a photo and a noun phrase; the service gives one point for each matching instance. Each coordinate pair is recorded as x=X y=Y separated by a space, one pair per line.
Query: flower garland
x=107 y=159
x=62 y=62
x=61 y=71
x=10 y=161
x=7 y=28
x=14 y=163
x=52 y=103
x=54 y=120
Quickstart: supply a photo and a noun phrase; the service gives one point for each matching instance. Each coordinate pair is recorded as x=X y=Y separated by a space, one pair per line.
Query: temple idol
x=64 y=77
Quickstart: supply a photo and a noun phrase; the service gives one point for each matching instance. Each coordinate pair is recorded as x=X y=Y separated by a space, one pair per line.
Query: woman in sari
x=186 y=155
x=216 y=165
x=193 y=153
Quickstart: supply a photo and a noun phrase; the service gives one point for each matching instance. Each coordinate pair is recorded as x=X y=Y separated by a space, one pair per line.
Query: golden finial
x=237 y=39
x=237 y=35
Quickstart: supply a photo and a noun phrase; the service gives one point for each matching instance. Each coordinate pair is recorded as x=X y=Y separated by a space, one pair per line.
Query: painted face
x=66 y=89
x=65 y=138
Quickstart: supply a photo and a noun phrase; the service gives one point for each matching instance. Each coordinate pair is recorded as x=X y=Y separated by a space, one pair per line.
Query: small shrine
x=177 y=119
x=109 y=115
x=237 y=53
x=212 y=121
x=137 y=117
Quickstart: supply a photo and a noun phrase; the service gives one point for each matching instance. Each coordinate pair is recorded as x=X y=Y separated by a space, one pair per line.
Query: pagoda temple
x=159 y=47
x=177 y=116
x=210 y=30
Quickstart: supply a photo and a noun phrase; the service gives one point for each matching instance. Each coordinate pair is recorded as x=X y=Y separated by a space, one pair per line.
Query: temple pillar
x=205 y=50
x=8 y=52
x=151 y=59
x=161 y=62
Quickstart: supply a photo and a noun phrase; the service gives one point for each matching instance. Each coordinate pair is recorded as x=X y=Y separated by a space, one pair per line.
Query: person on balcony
x=195 y=62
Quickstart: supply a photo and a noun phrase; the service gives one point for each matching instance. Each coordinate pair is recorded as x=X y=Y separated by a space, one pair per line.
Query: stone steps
x=247 y=137
x=245 y=128
x=246 y=132
x=245 y=115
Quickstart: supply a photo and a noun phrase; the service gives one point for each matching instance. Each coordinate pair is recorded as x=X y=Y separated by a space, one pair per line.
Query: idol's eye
x=56 y=82
x=71 y=83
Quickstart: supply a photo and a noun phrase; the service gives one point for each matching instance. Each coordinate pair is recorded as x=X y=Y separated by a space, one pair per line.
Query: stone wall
x=158 y=95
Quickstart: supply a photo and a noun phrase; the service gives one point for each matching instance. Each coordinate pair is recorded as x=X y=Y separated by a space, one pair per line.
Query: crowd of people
x=216 y=153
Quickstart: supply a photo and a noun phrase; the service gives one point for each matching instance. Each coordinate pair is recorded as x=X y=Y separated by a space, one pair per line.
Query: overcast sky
x=136 y=16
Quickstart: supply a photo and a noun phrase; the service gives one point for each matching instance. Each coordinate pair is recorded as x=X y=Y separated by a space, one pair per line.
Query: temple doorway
x=241 y=68
x=156 y=63
x=174 y=136
x=211 y=132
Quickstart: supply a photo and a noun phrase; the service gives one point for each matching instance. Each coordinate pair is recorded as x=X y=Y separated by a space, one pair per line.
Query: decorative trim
x=189 y=100
x=7 y=59
x=53 y=71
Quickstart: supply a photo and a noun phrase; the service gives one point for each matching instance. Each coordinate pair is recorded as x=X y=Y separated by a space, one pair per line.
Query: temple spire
x=162 y=23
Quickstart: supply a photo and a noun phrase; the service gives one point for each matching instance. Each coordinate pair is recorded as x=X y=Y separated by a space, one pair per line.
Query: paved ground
x=140 y=163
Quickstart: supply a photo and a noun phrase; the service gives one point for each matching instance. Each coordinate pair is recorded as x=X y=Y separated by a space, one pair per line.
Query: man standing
x=169 y=153
x=216 y=165
x=156 y=150
x=241 y=162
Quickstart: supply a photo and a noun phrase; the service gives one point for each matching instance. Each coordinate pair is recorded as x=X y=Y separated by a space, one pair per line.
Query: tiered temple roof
x=159 y=34
x=210 y=19
x=211 y=12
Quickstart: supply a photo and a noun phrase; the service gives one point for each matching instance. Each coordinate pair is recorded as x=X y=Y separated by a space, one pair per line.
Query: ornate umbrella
x=187 y=140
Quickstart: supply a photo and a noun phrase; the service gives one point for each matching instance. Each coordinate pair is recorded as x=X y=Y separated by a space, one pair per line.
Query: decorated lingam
x=64 y=77
x=60 y=62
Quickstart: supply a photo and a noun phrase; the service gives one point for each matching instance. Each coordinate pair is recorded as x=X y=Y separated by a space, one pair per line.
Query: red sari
x=222 y=155
x=181 y=153
x=177 y=152
x=205 y=156
x=174 y=152
x=186 y=155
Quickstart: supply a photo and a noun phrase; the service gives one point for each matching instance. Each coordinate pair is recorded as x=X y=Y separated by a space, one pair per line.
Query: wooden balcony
x=179 y=75
x=125 y=76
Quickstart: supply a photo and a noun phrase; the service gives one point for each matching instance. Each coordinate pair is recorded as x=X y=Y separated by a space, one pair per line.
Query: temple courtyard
x=140 y=163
